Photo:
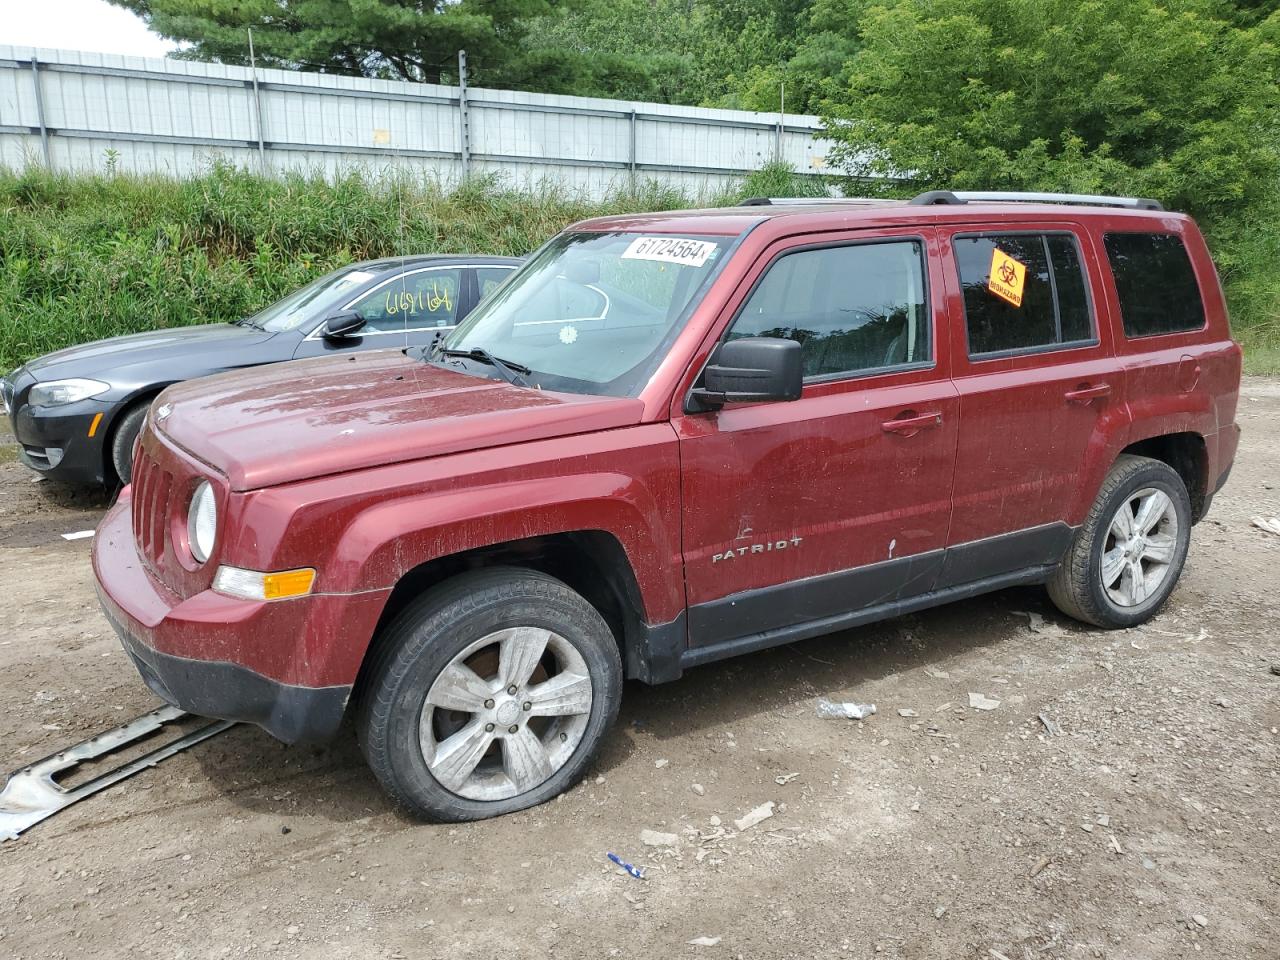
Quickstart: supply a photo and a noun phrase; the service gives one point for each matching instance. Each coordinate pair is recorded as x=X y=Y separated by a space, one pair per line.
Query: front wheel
x=1126 y=558
x=489 y=695
x=124 y=437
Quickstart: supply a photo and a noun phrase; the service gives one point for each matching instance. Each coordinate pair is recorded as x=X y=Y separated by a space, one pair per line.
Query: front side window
x=593 y=312
x=853 y=308
x=427 y=299
x=1155 y=282
x=1022 y=291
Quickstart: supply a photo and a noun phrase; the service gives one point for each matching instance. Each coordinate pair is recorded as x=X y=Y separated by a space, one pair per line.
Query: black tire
x=123 y=437
x=426 y=637
x=1077 y=588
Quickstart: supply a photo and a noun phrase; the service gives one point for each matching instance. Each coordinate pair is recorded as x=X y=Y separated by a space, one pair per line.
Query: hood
x=311 y=418
x=102 y=356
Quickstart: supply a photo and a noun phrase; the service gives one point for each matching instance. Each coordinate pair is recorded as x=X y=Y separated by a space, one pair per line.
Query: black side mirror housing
x=342 y=325
x=751 y=370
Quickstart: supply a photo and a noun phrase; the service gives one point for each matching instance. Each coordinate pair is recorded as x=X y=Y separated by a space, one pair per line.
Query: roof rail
x=770 y=201
x=1000 y=196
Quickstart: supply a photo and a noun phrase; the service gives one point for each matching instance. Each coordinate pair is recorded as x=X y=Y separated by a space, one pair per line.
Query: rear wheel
x=490 y=695
x=1126 y=558
x=124 y=436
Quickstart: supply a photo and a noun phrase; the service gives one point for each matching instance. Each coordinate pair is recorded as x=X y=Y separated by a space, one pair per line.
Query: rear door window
x=1022 y=292
x=1155 y=282
x=488 y=279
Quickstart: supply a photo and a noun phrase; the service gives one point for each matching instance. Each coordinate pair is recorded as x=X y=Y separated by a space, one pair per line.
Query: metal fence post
x=632 y=156
x=464 y=121
x=782 y=120
x=257 y=106
x=44 y=129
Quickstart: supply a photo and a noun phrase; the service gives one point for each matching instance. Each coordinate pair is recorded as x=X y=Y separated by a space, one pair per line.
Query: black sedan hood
x=212 y=344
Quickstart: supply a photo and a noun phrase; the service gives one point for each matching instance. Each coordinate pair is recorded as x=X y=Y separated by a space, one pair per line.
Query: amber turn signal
x=252 y=585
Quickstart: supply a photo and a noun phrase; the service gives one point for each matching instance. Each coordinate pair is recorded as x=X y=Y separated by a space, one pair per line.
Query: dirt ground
x=1146 y=829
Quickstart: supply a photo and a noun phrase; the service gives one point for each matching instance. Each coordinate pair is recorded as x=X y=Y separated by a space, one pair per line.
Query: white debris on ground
x=756 y=816
x=1269 y=524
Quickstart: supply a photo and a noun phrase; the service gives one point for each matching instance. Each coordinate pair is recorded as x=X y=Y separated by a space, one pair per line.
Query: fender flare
x=385 y=542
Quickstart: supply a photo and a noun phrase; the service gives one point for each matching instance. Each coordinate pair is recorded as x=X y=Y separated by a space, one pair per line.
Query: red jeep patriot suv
x=668 y=439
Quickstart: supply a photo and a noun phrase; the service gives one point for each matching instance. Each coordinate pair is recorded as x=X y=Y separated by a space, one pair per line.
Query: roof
x=834 y=213
x=394 y=263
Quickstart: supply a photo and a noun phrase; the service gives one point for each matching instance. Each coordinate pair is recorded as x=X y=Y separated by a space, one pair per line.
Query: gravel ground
x=1146 y=828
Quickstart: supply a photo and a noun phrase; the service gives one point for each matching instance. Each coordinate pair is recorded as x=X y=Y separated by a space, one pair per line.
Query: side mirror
x=752 y=370
x=341 y=325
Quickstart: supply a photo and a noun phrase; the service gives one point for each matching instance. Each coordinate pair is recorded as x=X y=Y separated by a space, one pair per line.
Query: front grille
x=153 y=490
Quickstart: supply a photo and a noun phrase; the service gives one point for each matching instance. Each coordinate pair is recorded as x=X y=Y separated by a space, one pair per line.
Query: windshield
x=313 y=300
x=593 y=312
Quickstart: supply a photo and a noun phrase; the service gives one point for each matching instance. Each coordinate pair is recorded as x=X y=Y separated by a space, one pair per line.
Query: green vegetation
x=393 y=39
x=86 y=257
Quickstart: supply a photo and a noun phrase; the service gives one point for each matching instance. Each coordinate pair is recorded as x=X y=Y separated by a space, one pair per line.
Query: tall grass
x=91 y=256
x=84 y=257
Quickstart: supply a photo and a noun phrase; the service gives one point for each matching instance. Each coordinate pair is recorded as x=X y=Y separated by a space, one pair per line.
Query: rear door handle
x=1088 y=394
x=909 y=424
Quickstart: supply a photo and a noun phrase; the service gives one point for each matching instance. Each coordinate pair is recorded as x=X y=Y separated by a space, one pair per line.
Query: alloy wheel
x=1140 y=547
x=506 y=713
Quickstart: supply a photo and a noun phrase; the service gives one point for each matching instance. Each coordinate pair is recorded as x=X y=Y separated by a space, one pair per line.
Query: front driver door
x=409 y=309
x=798 y=514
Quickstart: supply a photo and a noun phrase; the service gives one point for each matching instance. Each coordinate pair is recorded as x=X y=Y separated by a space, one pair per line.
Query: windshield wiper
x=510 y=370
x=247 y=322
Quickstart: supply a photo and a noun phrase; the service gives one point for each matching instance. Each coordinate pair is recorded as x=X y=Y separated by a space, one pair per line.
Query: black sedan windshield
x=593 y=312
x=315 y=299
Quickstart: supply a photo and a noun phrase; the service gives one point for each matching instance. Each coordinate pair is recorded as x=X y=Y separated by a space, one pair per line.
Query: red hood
x=309 y=418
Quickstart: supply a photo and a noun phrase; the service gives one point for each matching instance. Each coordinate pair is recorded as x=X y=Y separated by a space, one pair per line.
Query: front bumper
x=229 y=691
x=216 y=656
x=55 y=441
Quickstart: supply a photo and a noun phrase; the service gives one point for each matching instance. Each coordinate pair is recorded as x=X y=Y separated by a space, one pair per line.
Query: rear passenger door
x=1036 y=384
x=796 y=514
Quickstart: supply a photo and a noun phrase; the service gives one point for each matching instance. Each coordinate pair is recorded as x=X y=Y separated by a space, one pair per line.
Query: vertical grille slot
x=141 y=474
x=160 y=512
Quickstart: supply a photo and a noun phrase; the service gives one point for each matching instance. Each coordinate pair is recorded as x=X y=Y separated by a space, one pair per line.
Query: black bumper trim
x=229 y=691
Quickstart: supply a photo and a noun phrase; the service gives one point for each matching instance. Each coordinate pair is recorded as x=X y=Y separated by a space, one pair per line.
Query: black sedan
x=77 y=412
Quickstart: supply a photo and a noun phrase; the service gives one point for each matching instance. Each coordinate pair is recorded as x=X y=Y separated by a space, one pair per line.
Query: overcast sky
x=77 y=25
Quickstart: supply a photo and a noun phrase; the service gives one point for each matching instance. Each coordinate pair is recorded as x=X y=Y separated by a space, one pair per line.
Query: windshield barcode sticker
x=687 y=253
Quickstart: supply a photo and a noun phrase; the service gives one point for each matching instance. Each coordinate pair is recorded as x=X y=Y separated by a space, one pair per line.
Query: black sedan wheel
x=122 y=440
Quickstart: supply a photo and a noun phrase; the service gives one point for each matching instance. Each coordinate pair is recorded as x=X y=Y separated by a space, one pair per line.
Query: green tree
x=394 y=39
x=633 y=49
x=1108 y=96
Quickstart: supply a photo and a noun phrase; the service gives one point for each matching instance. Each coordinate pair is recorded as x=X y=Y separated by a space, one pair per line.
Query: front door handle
x=908 y=424
x=1087 y=394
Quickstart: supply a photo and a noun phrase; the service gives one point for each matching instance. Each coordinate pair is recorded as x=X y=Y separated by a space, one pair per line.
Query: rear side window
x=853 y=308
x=1022 y=291
x=1156 y=283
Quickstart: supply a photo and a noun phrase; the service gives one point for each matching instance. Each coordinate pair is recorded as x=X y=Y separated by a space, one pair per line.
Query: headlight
x=202 y=522
x=254 y=585
x=57 y=392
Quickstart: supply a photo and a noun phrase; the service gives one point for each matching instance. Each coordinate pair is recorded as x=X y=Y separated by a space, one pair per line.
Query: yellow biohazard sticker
x=1008 y=275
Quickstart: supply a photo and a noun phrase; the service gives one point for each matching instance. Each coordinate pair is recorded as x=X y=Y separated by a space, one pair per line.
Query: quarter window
x=853 y=308
x=1155 y=282
x=1052 y=307
x=417 y=301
